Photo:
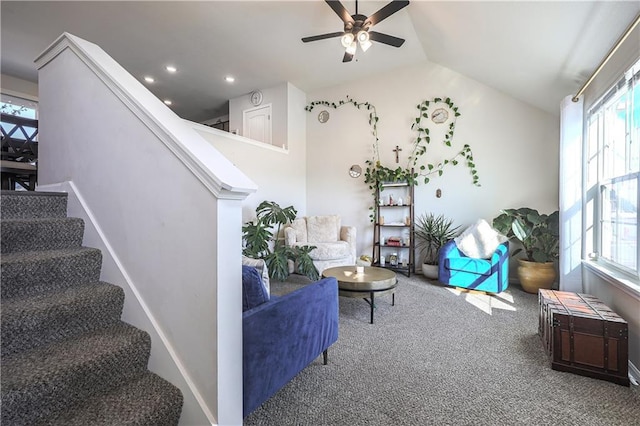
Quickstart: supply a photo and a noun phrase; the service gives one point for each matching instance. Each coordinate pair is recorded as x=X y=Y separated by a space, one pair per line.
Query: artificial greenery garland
x=376 y=174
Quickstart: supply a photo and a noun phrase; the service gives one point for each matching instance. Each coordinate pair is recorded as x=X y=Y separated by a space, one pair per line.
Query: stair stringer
x=164 y=359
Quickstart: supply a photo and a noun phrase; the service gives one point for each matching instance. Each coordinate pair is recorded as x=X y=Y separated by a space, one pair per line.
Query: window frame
x=595 y=190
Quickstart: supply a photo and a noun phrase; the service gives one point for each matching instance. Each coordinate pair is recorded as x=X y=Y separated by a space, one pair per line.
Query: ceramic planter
x=536 y=275
x=430 y=271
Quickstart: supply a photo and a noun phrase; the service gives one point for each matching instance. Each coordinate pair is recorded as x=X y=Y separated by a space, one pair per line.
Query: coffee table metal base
x=373 y=282
x=372 y=295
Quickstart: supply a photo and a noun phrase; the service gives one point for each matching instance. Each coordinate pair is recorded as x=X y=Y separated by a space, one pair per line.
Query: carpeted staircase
x=67 y=358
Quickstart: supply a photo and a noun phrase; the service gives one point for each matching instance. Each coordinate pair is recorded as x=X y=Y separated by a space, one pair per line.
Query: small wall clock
x=440 y=115
x=355 y=171
x=256 y=97
x=323 y=117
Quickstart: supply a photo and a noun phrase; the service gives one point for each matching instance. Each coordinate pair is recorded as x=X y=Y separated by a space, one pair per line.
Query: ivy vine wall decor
x=436 y=110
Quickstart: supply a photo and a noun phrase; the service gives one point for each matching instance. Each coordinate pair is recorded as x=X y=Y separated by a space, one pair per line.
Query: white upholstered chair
x=335 y=244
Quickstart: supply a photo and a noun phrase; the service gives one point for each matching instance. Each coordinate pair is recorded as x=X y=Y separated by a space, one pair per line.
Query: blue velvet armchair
x=284 y=335
x=489 y=275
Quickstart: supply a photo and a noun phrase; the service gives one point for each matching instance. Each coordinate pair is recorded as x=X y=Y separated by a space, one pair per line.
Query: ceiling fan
x=357 y=28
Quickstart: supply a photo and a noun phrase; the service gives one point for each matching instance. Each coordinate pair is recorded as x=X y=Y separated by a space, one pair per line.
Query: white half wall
x=281 y=173
x=515 y=148
x=169 y=207
x=277 y=97
x=134 y=311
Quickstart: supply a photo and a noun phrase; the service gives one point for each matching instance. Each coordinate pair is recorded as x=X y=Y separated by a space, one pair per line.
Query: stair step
x=146 y=401
x=41 y=319
x=41 y=234
x=48 y=380
x=32 y=204
x=33 y=272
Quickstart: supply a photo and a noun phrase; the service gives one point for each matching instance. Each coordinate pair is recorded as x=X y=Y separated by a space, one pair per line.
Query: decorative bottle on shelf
x=405 y=237
x=399 y=201
x=382 y=261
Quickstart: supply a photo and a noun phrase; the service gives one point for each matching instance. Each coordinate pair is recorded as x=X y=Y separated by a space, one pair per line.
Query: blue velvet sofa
x=284 y=335
x=489 y=275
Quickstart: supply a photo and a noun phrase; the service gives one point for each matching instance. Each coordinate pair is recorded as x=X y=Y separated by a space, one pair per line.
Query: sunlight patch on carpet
x=487 y=302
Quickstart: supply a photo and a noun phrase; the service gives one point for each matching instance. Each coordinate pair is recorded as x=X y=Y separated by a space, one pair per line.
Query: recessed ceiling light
x=167 y=102
x=171 y=68
x=229 y=79
x=149 y=79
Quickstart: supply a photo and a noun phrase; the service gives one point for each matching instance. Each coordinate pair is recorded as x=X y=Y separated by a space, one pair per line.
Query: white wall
x=280 y=173
x=277 y=97
x=621 y=296
x=515 y=147
x=18 y=87
x=167 y=204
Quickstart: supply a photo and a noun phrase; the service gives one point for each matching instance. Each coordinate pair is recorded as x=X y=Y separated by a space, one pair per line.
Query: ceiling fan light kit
x=363 y=36
x=347 y=39
x=357 y=28
x=351 y=50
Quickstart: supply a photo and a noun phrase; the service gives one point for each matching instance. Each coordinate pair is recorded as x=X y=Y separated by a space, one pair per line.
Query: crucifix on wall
x=397 y=151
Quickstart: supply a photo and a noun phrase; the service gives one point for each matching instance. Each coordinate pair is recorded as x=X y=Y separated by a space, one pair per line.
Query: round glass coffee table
x=372 y=282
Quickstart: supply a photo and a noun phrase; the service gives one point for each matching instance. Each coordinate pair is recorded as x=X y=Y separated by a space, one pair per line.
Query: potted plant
x=259 y=242
x=539 y=235
x=431 y=233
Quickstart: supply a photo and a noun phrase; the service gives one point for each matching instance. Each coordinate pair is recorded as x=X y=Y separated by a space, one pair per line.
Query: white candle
x=359 y=270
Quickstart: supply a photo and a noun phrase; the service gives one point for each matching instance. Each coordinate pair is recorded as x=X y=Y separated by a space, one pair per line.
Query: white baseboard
x=164 y=358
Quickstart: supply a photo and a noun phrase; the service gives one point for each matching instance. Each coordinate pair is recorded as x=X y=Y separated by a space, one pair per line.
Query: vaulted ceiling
x=535 y=51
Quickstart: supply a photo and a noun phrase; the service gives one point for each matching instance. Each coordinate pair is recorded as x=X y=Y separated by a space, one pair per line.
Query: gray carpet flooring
x=67 y=358
x=440 y=357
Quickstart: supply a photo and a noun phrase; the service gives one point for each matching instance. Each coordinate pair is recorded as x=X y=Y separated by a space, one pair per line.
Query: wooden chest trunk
x=582 y=335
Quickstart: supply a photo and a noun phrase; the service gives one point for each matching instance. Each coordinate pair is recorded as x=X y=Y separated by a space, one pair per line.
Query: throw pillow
x=253 y=291
x=323 y=229
x=300 y=226
x=261 y=266
x=479 y=240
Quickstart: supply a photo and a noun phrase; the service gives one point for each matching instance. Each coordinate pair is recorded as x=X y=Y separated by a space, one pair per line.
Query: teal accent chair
x=458 y=270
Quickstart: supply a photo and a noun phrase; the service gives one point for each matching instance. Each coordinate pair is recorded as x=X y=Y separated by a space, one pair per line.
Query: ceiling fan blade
x=322 y=36
x=386 y=39
x=339 y=9
x=347 y=57
x=386 y=11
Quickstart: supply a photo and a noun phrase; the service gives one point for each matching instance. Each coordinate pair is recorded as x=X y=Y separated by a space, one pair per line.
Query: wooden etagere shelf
x=393 y=235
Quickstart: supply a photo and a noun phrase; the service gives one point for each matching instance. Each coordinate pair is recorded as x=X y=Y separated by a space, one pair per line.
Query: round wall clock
x=256 y=97
x=323 y=117
x=355 y=171
x=440 y=115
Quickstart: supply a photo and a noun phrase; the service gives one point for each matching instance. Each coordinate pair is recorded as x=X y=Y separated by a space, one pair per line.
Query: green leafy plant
x=424 y=139
x=431 y=233
x=259 y=242
x=12 y=109
x=304 y=263
x=538 y=233
x=376 y=174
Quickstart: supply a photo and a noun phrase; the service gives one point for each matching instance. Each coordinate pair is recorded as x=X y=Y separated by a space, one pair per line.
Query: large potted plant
x=539 y=235
x=431 y=233
x=261 y=241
